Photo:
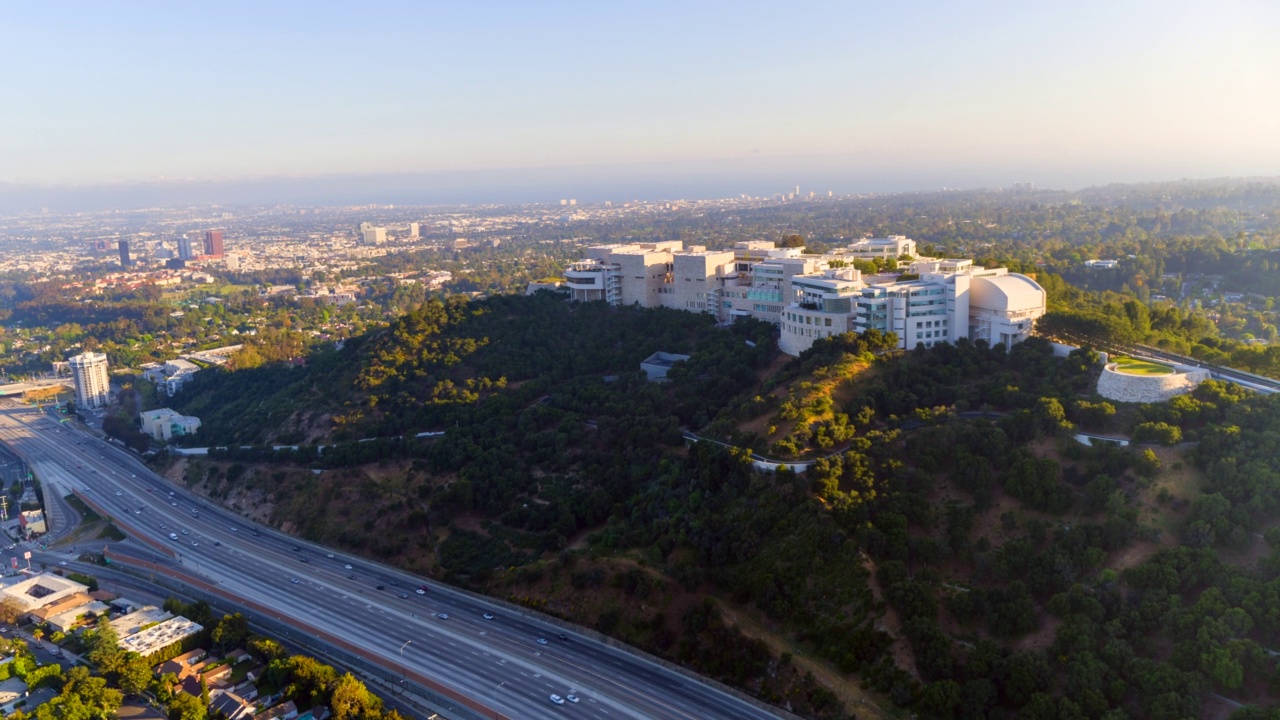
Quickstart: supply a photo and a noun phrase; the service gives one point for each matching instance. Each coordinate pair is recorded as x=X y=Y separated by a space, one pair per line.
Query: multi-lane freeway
x=509 y=662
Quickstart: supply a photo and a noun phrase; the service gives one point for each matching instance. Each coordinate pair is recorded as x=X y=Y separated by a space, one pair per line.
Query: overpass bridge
x=43 y=386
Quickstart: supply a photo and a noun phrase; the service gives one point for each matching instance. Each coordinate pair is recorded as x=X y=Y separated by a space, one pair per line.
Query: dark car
x=562 y=636
x=382 y=587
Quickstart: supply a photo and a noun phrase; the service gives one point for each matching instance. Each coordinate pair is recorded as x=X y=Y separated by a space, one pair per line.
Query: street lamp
x=404 y=672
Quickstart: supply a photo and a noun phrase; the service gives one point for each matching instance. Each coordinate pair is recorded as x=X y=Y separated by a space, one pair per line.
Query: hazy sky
x=109 y=91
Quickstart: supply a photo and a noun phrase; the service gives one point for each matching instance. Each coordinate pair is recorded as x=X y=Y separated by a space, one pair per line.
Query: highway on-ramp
x=507 y=661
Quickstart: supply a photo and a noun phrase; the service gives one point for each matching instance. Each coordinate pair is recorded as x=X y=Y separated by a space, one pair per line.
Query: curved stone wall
x=1122 y=387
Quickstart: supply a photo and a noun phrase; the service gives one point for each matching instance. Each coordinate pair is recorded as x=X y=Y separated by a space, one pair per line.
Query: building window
x=827 y=322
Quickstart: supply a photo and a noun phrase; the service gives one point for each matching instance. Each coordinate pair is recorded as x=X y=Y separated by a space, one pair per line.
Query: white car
x=557 y=699
x=571 y=698
x=346 y=567
x=542 y=641
x=118 y=493
x=443 y=616
x=488 y=616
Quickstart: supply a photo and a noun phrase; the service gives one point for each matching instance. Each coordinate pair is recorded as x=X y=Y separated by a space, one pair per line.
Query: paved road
x=511 y=663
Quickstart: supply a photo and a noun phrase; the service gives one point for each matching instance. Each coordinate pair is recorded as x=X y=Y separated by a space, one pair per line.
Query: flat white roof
x=160 y=636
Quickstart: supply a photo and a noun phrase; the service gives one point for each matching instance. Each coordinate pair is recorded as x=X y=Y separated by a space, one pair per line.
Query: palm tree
x=37 y=634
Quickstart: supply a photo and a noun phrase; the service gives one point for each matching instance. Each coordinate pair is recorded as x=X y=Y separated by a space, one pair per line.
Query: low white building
x=139 y=619
x=158 y=637
x=1102 y=264
x=164 y=424
x=170 y=376
x=36 y=591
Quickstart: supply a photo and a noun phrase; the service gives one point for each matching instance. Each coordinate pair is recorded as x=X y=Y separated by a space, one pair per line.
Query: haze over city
x=506 y=101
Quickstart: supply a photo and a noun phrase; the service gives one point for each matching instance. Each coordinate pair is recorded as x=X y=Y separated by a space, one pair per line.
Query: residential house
x=181 y=666
x=231 y=706
x=284 y=711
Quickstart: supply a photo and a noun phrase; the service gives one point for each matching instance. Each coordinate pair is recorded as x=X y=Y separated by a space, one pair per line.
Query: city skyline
x=521 y=103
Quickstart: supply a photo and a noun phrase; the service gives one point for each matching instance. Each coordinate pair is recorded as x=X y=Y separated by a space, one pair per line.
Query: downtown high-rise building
x=89 y=370
x=213 y=243
x=186 y=249
x=125 y=260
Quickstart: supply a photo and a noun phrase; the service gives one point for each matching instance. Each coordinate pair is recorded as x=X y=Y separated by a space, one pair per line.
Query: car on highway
x=557 y=699
x=294 y=581
x=571 y=698
x=420 y=591
x=404 y=596
x=381 y=587
x=118 y=493
x=443 y=616
x=195 y=544
x=542 y=641
x=184 y=532
x=346 y=567
x=563 y=637
x=488 y=616
x=62 y=563
x=330 y=556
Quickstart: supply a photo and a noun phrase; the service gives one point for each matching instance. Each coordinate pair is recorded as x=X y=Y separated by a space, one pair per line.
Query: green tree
x=230 y=631
x=187 y=707
x=1050 y=417
x=351 y=700
x=134 y=674
x=103 y=645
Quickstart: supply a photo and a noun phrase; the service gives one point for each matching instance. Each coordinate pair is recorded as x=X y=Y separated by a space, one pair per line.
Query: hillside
x=957 y=553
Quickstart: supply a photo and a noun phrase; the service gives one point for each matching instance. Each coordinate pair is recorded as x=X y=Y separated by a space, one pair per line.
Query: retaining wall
x=1123 y=387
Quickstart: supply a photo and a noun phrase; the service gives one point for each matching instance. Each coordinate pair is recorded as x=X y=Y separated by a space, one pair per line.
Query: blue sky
x=104 y=92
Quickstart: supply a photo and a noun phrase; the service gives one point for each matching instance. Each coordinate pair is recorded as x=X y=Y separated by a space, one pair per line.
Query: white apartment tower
x=92 y=383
